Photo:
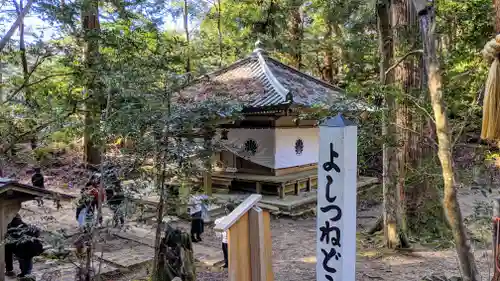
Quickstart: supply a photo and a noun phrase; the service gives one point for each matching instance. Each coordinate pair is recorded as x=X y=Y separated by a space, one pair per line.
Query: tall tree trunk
x=22 y=50
x=327 y=73
x=296 y=34
x=413 y=146
x=31 y=103
x=344 y=56
x=219 y=30
x=160 y=183
x=403 y=36
x=90 y=26
x=452 y=209
x=496 y=5
x=271 y=17
x=188 y=42
x=1 y=80
x=390 y=164
x=160 y=166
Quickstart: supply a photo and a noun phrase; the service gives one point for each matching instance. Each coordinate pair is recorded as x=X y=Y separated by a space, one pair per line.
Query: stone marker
x=336 y=210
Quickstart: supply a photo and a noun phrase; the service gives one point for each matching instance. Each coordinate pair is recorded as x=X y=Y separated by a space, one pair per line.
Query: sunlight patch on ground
x=438 y=254
x=402 y=260
x=311 y=259
x=370 y=254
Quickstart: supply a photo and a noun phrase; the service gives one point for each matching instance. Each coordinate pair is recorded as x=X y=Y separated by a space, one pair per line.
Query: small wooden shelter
x=12 y=194
x=249 y=242
x=273 y=149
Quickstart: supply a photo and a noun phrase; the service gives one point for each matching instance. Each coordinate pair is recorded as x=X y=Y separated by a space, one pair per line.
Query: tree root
x=378 y=226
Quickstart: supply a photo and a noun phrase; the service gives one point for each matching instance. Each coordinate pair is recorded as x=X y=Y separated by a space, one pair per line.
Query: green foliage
x=141 y=65
x=479 y=222
x=425 y=217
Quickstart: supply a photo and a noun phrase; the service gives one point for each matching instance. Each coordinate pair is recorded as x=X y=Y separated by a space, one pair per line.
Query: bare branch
x=24 y=85
x=463 y=124
x=417 y=133
x=36 y=130
x=414 y=52
x=416 y=104
x=14 y=26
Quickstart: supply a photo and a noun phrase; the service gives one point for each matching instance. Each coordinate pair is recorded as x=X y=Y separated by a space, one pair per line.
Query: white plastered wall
x=285 y=155
x=265 y=139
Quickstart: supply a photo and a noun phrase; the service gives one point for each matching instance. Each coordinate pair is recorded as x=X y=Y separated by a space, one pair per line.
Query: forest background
x=111 y=69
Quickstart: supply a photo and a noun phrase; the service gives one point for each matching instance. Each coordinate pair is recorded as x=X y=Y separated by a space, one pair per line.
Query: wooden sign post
x=249 y=241
x=336 y=213
x=496 y=239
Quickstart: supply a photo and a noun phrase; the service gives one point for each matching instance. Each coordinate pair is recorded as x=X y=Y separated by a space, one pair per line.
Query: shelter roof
x=261 y=81
x=12 y=185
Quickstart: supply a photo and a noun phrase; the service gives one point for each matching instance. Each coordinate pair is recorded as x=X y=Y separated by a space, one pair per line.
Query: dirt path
x=294 y=258
x=294 y=251
x=294 y=243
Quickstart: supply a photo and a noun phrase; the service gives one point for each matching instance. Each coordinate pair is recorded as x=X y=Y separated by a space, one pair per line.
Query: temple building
x=273 y=149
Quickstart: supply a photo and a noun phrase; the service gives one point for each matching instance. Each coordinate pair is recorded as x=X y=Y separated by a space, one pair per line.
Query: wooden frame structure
x=280 y=185
x=249 y=241
x=12 y=194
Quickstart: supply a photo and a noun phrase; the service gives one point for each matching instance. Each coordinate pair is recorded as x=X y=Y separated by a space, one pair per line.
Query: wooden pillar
x=8 y=209
x=207 y=183
x=3 y=230
x=297 y=188
x=256 y=228
x=239 y=251
x=258 y=187
x=281 y=191
x=249 y=241
x=309 y=185
x=207 y=176
x=496 y=239
x=268 y=247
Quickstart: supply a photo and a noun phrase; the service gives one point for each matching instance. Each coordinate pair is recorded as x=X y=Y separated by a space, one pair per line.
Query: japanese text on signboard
x=330 y=238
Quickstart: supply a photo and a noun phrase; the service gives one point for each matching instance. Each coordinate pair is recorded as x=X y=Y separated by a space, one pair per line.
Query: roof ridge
x=278 y=87
x=324 y=83
x=217 y=72
x=231 y=66
x=222 y=70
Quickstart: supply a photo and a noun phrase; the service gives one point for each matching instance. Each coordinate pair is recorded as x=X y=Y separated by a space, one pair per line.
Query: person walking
x=22 y=240
x=37 y=180
x=196 y=211
x=88 y=203
x=229 y=208
x=115 y=198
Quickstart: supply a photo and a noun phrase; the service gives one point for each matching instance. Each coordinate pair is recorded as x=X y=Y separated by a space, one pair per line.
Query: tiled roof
x=259 y=80
x=9 y=184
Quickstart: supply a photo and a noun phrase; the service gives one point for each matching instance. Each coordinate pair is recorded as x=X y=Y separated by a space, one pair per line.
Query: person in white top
x=196 y=208
x=229 y=209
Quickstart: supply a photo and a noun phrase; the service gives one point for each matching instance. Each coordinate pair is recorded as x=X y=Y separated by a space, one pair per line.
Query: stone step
x=209 y=256
x=268 y=207
x=215 y=211
x=51 y=270
x=128 y=257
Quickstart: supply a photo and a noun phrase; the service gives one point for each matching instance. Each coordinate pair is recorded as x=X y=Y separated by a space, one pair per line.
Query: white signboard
x=336 y=213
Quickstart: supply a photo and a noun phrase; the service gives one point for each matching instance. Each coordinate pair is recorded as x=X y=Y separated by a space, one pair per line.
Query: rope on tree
x=491 y=105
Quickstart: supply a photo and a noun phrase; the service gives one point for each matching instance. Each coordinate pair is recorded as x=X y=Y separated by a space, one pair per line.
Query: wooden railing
x=249 y=241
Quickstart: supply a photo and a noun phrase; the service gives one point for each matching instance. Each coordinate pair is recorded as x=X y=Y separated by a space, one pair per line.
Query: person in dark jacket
x=115 y=198
x=22 y=241
x=37 y=180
